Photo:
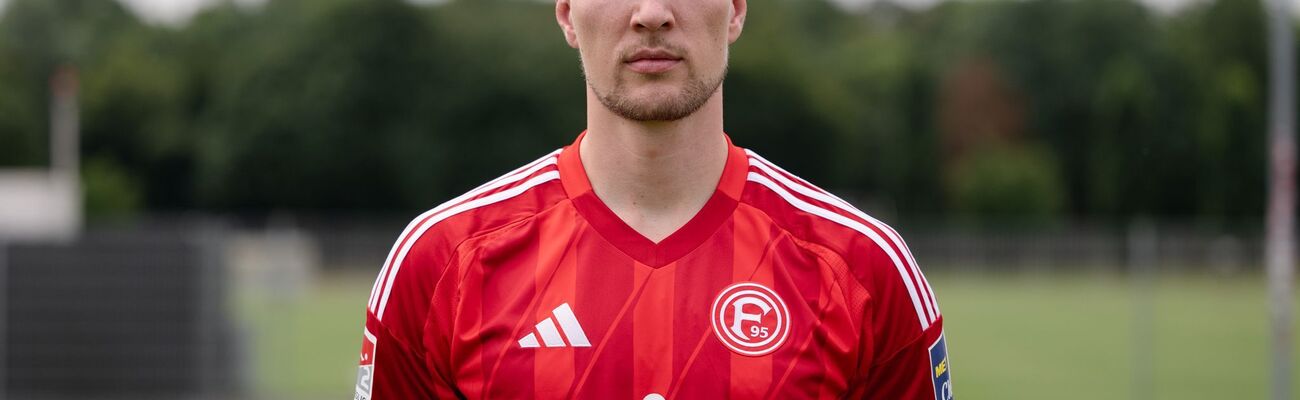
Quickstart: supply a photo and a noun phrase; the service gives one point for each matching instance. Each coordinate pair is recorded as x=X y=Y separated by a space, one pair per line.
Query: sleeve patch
x=940 y=370
x=366 y=371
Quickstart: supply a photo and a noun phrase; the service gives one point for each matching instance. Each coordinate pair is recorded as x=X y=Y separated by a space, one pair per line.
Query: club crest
x=750 y=319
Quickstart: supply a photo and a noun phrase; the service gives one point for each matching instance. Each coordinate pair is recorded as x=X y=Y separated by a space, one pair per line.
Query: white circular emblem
x=750 y=319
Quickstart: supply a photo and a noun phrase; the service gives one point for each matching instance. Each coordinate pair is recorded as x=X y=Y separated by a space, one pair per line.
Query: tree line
x=1019 y=112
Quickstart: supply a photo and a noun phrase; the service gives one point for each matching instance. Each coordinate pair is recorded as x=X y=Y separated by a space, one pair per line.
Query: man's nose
x=653 y=15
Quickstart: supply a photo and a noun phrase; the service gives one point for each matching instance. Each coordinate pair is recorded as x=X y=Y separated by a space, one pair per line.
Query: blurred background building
x=195 y=196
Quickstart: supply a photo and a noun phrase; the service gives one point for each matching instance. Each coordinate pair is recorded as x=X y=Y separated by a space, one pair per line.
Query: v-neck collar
x=705 y=222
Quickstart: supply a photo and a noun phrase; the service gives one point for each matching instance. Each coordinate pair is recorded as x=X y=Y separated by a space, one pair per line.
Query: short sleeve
x=918 y=370
x=404 y=352
x=904 y=346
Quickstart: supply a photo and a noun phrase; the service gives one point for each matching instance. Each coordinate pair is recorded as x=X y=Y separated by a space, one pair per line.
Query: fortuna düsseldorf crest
x=750 y=319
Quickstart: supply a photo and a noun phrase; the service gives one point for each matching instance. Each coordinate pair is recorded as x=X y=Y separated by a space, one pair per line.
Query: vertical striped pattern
x=751 y=376
x=606 y=288
x=797 y=274
x=556 y=275
x=471 y=373
x=698 y=359
x=508 y=295
x=652 y=332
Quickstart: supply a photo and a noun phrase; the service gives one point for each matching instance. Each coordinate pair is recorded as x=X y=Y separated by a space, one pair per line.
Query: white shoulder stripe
x=469 y=205
x=917 y=268
x=857 y=226
x=512 y=177
x=807 y=189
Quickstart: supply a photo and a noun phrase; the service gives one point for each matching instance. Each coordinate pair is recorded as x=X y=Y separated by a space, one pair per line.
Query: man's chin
x=655 y=112
x=655 y=101
x=658 y=101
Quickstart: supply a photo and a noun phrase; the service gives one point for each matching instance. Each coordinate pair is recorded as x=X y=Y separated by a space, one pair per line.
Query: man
x=651 y=258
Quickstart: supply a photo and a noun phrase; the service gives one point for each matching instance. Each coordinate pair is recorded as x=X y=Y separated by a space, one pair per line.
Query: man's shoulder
x=817 y=216
x=419 y=256
x=520 y=194
x=874 y=253
x=809 y=212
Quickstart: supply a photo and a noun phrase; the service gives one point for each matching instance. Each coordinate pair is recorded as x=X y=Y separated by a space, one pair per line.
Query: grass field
x=1080 y=337
x=1009 y=337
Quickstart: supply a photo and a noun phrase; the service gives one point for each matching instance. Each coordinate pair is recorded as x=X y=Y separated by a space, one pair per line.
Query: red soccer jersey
x=530 y=287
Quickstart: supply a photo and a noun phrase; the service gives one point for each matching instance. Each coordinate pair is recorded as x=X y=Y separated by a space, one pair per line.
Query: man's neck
x=654 y=175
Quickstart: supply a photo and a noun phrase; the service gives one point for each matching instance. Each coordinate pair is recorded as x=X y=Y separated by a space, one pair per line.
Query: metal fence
x=117 y=314
x=1167 y=248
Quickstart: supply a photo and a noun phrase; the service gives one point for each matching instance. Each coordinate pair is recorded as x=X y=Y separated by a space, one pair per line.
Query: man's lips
x=652 y=61
x=653 y=65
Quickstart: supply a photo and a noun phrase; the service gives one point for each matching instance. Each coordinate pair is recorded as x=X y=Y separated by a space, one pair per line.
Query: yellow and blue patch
x=940 y=371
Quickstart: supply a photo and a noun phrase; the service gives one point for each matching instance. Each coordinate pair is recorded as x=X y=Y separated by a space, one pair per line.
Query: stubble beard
x=689 y=98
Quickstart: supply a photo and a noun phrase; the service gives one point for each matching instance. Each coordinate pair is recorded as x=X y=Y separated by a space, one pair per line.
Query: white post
x=1143 y=256
x=65 y=151
x=1280 y=247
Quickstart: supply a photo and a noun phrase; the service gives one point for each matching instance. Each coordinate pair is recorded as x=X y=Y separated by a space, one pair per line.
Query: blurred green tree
x=325 y=112
x=1001 y=185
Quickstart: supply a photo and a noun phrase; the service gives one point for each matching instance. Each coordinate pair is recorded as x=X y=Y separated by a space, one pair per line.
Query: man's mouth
x=652 y=61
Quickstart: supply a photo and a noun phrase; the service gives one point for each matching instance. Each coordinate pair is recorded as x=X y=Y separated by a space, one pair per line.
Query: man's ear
x=562 y=16
x=739 y=9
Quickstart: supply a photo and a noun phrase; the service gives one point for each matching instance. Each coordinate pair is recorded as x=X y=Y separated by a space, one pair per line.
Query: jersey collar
x=716 y=211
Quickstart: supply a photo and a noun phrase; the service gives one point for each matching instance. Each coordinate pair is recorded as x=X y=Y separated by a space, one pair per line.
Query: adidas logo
x=551 y=334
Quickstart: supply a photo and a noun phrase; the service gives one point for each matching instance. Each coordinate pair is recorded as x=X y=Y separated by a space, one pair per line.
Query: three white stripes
x=551 y=335
x=922 y=296
x=379 y=298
